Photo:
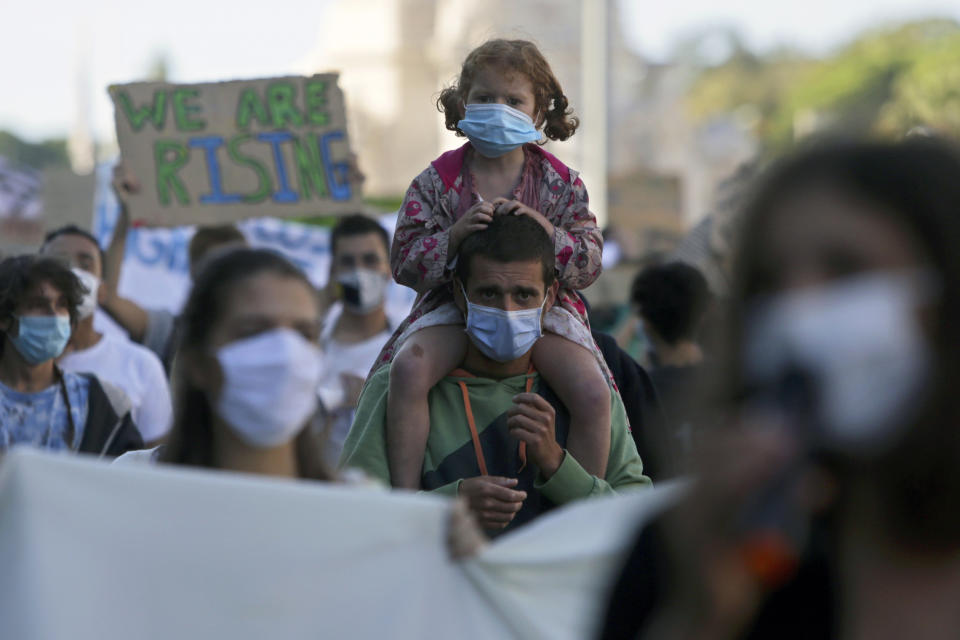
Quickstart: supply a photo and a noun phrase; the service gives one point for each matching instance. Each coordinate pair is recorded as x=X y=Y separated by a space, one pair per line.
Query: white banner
x=156 y=266
x=93 y=551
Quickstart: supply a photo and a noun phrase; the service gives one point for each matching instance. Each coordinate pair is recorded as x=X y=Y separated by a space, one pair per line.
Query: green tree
x=49 y=153
x=885 y=81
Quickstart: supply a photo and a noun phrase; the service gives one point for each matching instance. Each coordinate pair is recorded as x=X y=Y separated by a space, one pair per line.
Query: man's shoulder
x=378 y=383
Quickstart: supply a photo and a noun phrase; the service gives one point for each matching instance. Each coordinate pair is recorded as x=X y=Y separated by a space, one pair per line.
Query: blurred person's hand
x=492 y=500
x=503 y=206
x=354 y=174
x=714 y=590
x=464 y=537
x=124 y=185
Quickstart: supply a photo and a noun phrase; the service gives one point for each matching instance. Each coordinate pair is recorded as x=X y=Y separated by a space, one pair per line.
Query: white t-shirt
x=138 y=372
x=339 y=358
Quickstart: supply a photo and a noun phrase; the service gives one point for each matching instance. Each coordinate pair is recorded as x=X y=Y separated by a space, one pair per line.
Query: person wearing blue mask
x=40 y=405
x=498 y=434
x=506 y=102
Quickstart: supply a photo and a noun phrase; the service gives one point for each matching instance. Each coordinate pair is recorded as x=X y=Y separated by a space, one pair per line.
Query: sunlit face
x=493 y=86
x=43 y=300
x=361 y=251
x=821 y=235
x=510 y=286
x=264 y=302
x=255 y=305
x=76 y=251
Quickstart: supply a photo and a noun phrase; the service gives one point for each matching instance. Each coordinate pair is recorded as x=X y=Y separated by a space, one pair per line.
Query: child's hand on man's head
x=476 y=218
x=503 y=206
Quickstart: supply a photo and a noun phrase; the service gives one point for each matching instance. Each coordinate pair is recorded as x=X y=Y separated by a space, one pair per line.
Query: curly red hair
x=521 y=56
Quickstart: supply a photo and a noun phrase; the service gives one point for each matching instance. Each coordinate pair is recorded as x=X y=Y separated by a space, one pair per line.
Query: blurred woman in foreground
x=830 y=508
x=247 y=369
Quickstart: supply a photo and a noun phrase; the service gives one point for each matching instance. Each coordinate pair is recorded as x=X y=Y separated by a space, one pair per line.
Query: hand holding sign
x=221 y=152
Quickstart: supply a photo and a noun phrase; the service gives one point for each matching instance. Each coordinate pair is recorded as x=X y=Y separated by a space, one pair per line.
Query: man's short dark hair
x=72 y=230
x=206 y=238
x=509 y=238
x=19 y=275
x=672 y=297
x=358 y=225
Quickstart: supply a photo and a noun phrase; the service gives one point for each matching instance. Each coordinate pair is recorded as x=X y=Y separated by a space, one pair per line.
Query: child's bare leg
x=574 y=374
x=423 y=360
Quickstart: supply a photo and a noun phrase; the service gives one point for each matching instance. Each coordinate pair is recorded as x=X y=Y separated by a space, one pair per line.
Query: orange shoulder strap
x=474 y=434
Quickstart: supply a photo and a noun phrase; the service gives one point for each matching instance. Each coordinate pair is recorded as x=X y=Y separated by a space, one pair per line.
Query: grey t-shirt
x=159 y=335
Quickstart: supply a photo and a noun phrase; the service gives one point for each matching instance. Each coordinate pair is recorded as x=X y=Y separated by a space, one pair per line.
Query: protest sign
x=155 y=271
x=21 y=205
x=220 y=152
x=114 y=551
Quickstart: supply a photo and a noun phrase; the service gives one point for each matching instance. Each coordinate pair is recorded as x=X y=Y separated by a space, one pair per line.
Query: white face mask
x=92 y=284
x=269 y=386
x=363 y=289
x=849 y=354
x=501 y=335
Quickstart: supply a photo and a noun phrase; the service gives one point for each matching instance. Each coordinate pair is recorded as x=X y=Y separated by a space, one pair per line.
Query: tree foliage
x=49 y=153
x=886 y=82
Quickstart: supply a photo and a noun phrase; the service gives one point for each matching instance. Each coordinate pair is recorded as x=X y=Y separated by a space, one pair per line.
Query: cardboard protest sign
x=220 y=152
x=21 y=204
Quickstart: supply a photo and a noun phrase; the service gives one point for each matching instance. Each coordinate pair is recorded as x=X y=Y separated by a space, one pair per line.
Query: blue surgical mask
x=503 y=335
x=496 y=129
x=41 y=338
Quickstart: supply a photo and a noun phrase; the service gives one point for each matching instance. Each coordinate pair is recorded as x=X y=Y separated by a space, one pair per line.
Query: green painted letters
x=315 y=92
x=182 y=110
x=282 y=110
x=309 y=167
x=249 y=105
x=138 y=116
x=169 y=157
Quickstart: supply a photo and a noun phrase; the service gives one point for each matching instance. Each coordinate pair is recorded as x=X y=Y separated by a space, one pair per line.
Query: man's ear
x=9 y=326
x=552 y=295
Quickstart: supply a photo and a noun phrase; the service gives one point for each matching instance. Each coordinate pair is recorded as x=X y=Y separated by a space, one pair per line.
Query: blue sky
x=205 y=41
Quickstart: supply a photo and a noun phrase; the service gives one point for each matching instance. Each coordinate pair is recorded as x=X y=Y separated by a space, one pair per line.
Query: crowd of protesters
x=817 y=418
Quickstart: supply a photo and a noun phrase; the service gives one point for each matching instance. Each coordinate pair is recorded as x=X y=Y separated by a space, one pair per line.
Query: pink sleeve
x=419 y=254
x=578 y=240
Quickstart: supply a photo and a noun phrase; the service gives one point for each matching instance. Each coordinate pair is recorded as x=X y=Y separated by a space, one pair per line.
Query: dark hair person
x=40 y=405
x=672 y=299
x=247 y=369
x=357 y=225
x=831 y=511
